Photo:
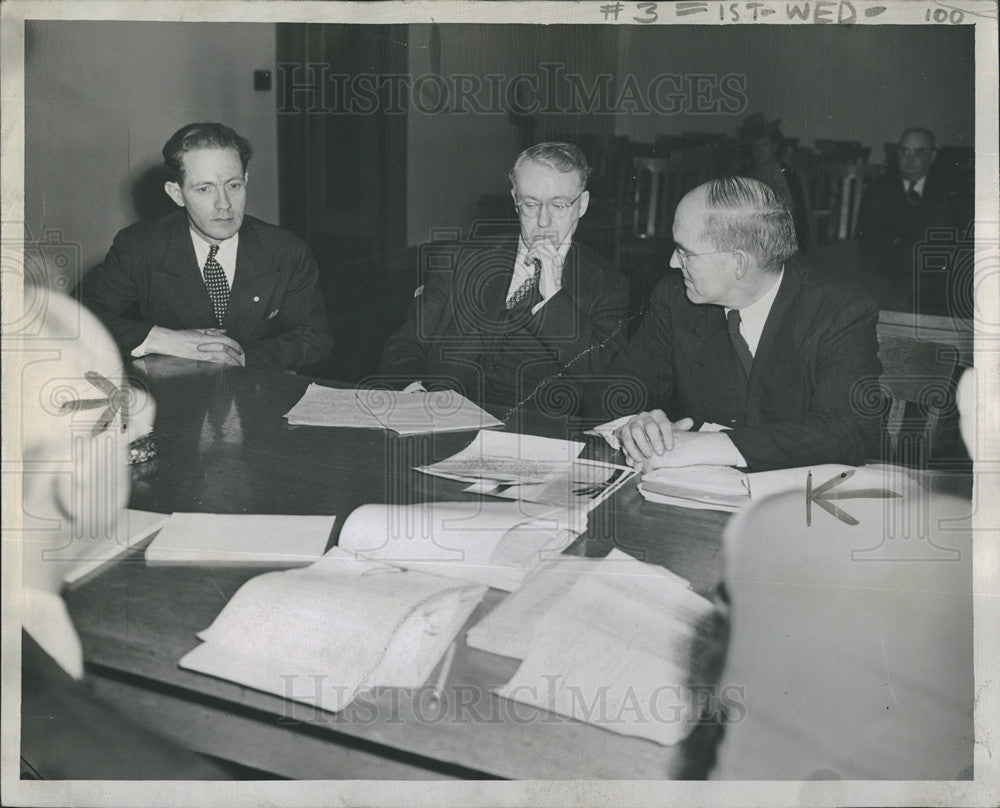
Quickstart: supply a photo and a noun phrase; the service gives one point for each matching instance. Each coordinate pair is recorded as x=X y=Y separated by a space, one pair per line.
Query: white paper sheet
x=213 y=538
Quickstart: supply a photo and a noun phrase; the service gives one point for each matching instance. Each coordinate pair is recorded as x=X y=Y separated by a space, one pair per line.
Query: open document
x=350 y=623
x=407 y=413
x=613 y=649
x=495 y=543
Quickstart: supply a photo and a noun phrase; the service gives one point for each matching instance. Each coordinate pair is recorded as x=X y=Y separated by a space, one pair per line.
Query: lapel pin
x=256 y=299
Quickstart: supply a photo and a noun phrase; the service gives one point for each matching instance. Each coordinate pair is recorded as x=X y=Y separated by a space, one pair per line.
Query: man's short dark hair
x=201 y=136
x=919 y=130
x=564 y=157
x=746 y=214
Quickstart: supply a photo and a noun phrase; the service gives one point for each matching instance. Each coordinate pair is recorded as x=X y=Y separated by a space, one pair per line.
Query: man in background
x=510 y=322
x=748 y=342
x=206 y=281
x=75 y=486
x=917 y=203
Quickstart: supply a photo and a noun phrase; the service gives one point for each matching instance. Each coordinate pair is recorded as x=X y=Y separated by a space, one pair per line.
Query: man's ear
x=584 y=202
x=174 y=192
x=742 y=263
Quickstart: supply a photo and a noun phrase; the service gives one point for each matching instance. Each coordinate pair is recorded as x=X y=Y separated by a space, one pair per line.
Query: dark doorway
x=342 y=175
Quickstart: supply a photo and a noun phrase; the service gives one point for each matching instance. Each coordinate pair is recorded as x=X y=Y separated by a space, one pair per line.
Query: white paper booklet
x=615 y=651
x=495 y=543
x=406 y=413
x=507 y=630
x=723 y=488
x=223 y=538
x=346 y=623
x=507 y=457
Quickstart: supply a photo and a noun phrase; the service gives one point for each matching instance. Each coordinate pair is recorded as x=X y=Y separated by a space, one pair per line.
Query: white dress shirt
x=753 y=318
x=226 y=258
x=524 y=270
x=917 y=186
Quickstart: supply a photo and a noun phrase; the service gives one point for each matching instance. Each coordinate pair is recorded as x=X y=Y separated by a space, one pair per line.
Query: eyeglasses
x=686 y=255
x=557 y=208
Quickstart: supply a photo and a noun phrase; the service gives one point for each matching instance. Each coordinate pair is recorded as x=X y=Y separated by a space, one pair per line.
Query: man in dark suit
x=920 y=205
x=208 y=282
x=747 y=338
x=511 y=322
x=67 y=731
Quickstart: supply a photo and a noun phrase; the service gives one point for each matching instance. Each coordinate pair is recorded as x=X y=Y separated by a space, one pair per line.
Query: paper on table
x=419 y=411
x=329 y=406
x=607 y=431
x=348 y=623
x=495 y=543
x=215 y=538
x=507 y=630
x=582 y=486
x=615 y=651
x=710 y=487
x=507 y=457
x=133 y=527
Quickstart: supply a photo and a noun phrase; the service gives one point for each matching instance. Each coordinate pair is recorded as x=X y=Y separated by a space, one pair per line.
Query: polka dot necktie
x=218 y=286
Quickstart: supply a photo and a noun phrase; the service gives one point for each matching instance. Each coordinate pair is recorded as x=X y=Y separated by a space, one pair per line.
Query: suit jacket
x=803 y=402
x=68 y=733
x=151 y=277
x=458 y=334
x=887 y=217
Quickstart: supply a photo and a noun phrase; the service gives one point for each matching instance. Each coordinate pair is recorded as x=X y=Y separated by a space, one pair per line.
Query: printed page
x=489 y=542
x=329 y=406
x=615 y=651
x=582 y=487
x=334 y=620
x=419 y=412
x=216 y=538
x=506 y=457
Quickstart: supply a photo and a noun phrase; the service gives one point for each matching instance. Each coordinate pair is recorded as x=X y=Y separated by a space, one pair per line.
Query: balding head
x=916 y=152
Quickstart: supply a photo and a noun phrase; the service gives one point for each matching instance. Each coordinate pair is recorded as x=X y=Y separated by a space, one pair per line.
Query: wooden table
x=224 y=447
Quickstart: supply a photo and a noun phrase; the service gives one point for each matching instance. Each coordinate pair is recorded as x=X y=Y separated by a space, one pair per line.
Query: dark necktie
x=526 y=289
x=740 y=344
x=912 y=195
x=218 y=286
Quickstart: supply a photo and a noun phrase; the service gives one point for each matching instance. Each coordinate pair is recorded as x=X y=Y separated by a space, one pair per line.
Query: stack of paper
x=406 y=413
x=495 y=543
x=713 y=487
x=259 y=540
x=613 y=650
x=321 y=634
x=506 y=457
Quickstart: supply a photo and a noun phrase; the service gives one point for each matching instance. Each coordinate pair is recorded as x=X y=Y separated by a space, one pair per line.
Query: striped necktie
x=218 y=286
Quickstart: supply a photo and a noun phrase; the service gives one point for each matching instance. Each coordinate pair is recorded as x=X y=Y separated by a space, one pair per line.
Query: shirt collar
x=226 y=256
x=918 y=186
x=754 y=317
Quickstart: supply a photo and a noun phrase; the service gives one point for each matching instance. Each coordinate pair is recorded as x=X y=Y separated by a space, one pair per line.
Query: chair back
x=921 y=373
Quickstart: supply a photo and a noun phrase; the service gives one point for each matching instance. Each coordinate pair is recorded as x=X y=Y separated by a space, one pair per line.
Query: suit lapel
x=787 y=292
x=189 y=297
x=249 y=282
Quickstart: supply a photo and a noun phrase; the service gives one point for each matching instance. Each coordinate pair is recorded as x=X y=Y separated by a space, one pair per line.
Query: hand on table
x=203 y=344
x=650 y=441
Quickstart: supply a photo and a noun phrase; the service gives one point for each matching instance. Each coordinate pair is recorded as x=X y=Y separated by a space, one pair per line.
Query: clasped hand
x=203 y=344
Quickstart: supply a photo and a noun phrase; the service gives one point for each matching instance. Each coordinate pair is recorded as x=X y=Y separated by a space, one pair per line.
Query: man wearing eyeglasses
x=516 y=322
x=746 y=338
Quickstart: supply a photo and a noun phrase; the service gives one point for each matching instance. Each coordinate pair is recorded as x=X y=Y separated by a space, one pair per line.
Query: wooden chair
x=921 y=373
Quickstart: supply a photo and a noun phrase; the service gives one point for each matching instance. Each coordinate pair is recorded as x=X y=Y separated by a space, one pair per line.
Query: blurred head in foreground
x=78 y=416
